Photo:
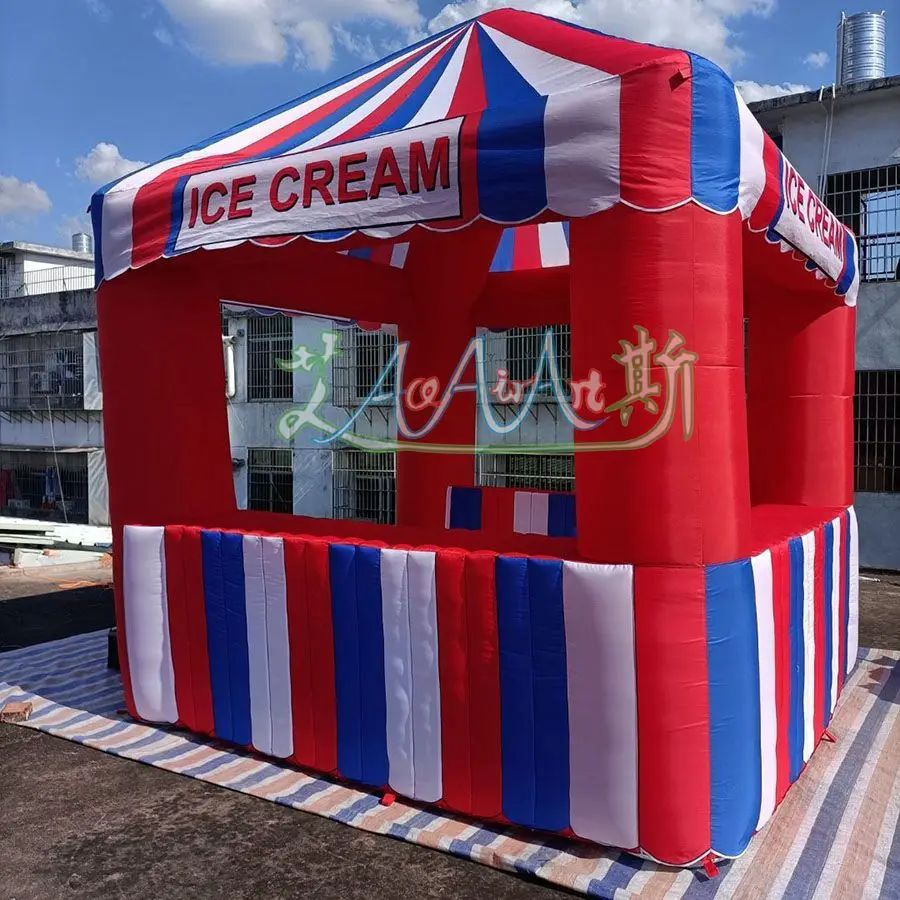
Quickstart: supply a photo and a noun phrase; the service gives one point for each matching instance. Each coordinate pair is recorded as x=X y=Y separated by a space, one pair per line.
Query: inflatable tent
x=648 y=664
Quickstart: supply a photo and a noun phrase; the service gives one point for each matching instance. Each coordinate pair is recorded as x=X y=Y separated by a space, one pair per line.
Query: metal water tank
x=860 y=47
x=82 y=243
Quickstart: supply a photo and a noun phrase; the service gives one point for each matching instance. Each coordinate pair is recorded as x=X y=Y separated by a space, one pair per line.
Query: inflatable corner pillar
x=447 y=273
x=800 y=397
x=656 y=306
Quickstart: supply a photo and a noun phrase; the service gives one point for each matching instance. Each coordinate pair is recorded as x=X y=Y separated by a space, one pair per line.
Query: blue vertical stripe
x=512 y=185
x=795 y=727
x=516 y=686
x=373 y=706
x=216 y=633
x=231 y=548
x=342 y=564
x=561 y=515
x=551 y=710
x=715 y=137
x=735 y=752
x=503 y=258
x=533 y=693
x=846 y=601
x=465 y=508
x=828 y=655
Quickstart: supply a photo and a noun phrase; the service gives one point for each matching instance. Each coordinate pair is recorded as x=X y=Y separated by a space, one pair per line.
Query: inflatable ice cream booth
x=646 y=663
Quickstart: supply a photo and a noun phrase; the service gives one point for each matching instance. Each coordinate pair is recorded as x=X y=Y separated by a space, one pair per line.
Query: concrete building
x=845 y=143
x=52 y=463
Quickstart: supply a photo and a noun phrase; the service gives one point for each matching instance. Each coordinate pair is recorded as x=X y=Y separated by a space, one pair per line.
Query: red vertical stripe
x=179 y=639
x=666 y=139
x=484 y=684
x=195 y=605
x=381 y=253
x=767 y=208
x=819 y=634
x=187 y=627
x=456 y=738
x=781 y=597
x=312 y=653
x=469 y=661
x=497 y=510
x=526 y=248
x=673 y=713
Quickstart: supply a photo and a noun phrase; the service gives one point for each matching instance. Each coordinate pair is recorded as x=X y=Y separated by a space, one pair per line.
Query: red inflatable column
x=800 y=397
x=662 y=292
x=446 y=273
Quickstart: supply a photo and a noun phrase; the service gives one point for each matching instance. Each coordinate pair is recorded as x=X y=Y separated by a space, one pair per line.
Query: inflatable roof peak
x=508 y=117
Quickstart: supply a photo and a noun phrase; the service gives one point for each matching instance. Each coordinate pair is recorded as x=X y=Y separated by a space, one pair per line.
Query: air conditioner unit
x=40 y=382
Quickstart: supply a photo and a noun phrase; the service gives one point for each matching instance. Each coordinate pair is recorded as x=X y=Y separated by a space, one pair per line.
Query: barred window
x=518 y=349
x=268 y=339
x=40 y=484
x=868 y=202
x=551 y=472
x=364 y=485
x=361 y=358
x=876 y=407
x=41 y=371
x=270 y=480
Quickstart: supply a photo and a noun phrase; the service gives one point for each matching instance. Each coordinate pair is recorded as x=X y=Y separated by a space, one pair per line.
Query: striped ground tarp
x=835 y=836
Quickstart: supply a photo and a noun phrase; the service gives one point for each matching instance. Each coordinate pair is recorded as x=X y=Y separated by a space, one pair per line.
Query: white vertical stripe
x=397 y=670
x=257 y=644
x=522 y=512
x=426 y=687
x=147 y=624
x=540 y=512
x=853 y=612
x=581 y=155
x=398 y=255
x=448 y=506
x=602 y=695
x=835 y=611
x=753 y=168
x=809 y=644
x=278 y=646
x=768 y=724
x=552 y=241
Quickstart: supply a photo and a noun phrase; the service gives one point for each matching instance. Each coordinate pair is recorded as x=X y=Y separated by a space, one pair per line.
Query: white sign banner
x=809 y=225
x=391 y=179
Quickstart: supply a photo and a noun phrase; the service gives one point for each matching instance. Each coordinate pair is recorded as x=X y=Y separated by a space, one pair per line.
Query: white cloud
x=752 y=91
x=817 y=60
x=104 y=163
x=163 y=35
x=246 y=32
x=99 y=9
x=22 y=197
x=704 y=26
x=69 y=225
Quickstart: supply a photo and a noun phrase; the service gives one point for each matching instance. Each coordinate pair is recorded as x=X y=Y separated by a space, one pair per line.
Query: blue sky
x=90 y=87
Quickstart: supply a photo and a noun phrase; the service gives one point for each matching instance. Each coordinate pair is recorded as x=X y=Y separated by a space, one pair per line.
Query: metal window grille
x=876 y=408
x=364 y=485
x=518 y=349
x=49 y=280
x=270 y=480
x=268 y=339
x=45 y=485
x=41 y=371
x=361 y=357
x=868 y=202
x=526 y=471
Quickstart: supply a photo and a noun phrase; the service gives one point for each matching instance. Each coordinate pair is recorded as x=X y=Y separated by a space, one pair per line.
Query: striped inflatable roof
x=507 y=117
